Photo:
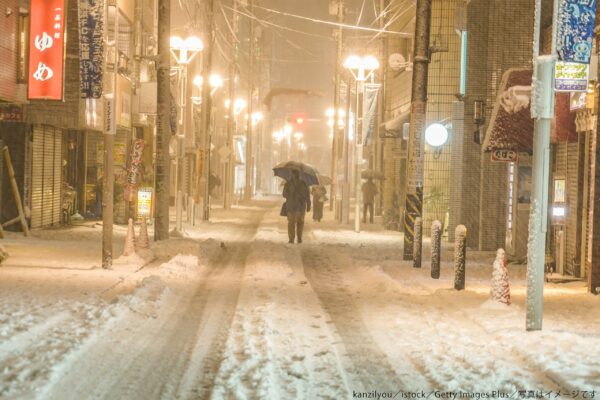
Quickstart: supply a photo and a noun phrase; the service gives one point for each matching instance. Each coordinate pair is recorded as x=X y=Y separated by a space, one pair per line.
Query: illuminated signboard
x=46 y=47
x=571 y=77
x=144 y=202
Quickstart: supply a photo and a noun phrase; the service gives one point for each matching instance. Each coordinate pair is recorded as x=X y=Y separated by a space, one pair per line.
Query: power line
x=276 y=25
x=337 y=24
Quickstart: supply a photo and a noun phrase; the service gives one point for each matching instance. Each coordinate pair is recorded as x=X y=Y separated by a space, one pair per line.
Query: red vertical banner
x=46 y=49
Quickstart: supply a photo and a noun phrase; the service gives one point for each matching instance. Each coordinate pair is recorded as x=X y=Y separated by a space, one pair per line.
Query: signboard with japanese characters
x=110 y=122
x=46 y=47
x=11 y=112
x=91 y=48
x=134 y=171
x=571 y=77
x=576 y=19
x=504 y=156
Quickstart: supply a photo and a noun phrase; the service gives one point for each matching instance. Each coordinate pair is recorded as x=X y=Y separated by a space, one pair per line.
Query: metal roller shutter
x=46 y=176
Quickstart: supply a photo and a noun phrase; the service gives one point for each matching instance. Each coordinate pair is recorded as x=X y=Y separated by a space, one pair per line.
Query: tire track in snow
x=367 y=364
x=280 y=345
x=174 y=355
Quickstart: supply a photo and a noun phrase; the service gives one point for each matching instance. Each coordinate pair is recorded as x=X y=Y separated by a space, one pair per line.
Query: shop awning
x=511 y=125
x=394 y=127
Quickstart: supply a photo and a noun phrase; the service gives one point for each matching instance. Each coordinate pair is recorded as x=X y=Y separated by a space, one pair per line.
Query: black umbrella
x=371 y=174
x=308 y=173
x=324 y=180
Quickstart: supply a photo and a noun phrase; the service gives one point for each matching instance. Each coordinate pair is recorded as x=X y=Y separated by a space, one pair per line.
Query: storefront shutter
x=46 y=176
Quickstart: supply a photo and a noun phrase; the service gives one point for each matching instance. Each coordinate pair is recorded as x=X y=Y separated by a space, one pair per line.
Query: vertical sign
x=91 y=48
x=576 y=22
x=110 y=123
x=134 y=171
x=370 y=111
x=46 y=47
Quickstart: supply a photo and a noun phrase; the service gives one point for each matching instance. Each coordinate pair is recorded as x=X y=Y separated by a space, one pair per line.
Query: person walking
x=297 y=203
x=369 y=190
x=319 y=194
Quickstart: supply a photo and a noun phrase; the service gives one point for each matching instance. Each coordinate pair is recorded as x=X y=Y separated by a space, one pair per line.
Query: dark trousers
x=369 y=207
x=317 y=210
x=295 y=225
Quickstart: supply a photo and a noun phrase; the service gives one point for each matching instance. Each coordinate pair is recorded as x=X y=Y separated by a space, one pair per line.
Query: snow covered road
x=234 y=312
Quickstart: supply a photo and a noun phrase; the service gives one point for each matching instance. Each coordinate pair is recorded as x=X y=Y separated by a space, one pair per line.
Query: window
x=22 y=47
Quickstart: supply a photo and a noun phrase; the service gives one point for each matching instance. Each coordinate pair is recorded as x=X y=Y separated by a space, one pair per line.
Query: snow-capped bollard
x=436 y=238
x=129 y=248
x=460 y=255
x=143 y=241
x=418 y=242
x=500 y=287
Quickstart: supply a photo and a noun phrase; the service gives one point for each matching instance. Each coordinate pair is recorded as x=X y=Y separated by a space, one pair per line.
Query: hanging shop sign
x=91 y=48
x=135 y=168
x=571 y=77
x=46 y=48
x=576 y=21
x=505 y=156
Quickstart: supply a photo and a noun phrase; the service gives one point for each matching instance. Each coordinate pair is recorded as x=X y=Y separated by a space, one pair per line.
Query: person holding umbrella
x=297 y=203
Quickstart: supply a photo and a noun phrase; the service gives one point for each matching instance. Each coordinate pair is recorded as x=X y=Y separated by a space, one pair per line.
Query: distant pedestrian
x=369 y=190
x=319 y=194
x=297 y=203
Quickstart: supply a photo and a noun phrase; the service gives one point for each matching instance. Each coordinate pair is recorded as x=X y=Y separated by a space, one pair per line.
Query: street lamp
x=215 y=82
x=436 y=135
x=362 y=68
x=184 y=51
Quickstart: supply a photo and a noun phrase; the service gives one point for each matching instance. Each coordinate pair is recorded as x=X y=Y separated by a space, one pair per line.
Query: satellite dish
x=397 y=61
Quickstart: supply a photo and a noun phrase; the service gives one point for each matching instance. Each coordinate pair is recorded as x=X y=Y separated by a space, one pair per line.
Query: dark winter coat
x=296 y=195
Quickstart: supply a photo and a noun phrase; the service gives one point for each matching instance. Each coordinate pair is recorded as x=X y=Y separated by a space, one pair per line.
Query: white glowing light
x=436 y=135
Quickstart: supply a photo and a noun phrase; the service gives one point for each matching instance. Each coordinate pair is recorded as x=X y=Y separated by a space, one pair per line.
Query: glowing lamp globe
x=436 y=135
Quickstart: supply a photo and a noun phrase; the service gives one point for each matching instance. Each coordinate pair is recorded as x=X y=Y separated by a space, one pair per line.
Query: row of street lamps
x=184 y=51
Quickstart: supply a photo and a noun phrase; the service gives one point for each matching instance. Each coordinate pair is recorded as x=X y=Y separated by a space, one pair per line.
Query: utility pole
x=345 y=215
x=414 y=192
x=229 y=178
x=108 y=182
x=542 y=111
x=248 y=188
x=336 y=107
x=108 y=189
x=163 y=111
x=378 y=143
x=206 y=111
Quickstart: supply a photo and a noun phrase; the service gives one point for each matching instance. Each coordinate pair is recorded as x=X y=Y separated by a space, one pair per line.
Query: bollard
x=436 y=246
x=500 y=288
x=143 y=241
x=460 y=255
x=417 y=242
x=129 y=248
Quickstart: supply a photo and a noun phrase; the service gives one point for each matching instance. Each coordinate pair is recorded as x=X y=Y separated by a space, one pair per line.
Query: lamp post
x=215 y=82
x=335 y=128
x=362 y=68
x=234 y=111
x=184 y=51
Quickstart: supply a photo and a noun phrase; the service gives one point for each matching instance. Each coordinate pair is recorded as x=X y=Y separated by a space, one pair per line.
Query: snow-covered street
x=235 y=312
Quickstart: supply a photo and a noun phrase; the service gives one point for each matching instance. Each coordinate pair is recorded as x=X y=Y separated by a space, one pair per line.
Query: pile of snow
x=182 y=265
